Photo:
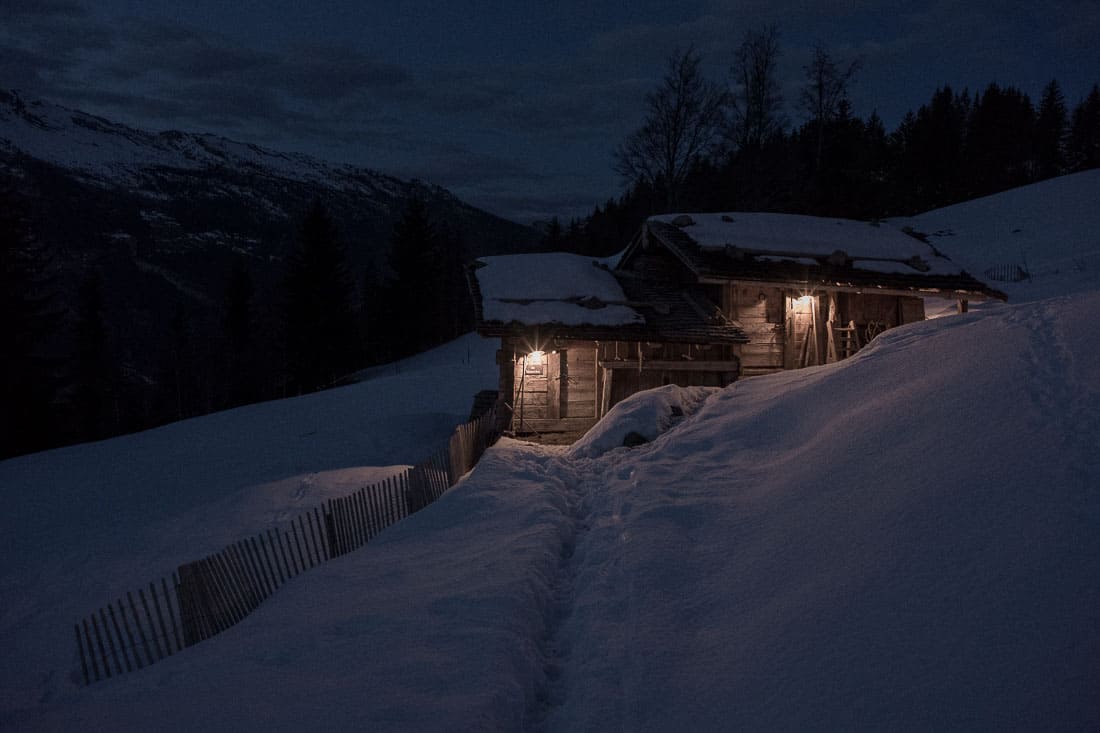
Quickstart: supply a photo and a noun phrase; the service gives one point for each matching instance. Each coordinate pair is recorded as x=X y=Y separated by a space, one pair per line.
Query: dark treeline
x=70 y=374
x=68 y=368
x=710 y=146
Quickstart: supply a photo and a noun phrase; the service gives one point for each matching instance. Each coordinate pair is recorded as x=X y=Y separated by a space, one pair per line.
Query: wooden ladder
x=843 y=341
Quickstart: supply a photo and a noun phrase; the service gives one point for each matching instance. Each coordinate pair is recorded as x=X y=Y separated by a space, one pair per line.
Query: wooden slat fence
x=207 y=596
x=1007 y=273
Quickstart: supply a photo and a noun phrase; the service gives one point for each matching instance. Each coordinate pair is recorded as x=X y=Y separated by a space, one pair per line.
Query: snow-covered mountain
x=162 y=218
x=173 y=198
x=904 y=539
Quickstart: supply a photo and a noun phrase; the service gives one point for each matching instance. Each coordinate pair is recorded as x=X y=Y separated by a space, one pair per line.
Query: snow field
x=906 y=539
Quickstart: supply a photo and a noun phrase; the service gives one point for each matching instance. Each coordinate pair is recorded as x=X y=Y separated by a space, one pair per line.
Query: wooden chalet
x=577 y=336
x=805 y=290
x=698 y=299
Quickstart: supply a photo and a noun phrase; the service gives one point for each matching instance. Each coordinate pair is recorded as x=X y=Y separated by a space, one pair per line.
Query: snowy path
x=554 y=648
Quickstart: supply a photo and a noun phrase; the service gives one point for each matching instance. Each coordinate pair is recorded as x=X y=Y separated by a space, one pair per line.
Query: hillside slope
x=1051 y=230
x=80 y=525
x=163 y=218
x=903 y=539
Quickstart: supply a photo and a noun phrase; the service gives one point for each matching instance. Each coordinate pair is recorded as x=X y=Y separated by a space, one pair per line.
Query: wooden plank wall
x=760 y=311
x=559 y=396
x=578 y=380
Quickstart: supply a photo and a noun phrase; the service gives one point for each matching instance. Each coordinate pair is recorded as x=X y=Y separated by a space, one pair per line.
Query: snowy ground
x=905 y=539
x=1051 y=228
x=85 y=523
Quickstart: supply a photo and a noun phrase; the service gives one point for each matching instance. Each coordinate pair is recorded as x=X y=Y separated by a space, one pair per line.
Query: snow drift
x=903 y=539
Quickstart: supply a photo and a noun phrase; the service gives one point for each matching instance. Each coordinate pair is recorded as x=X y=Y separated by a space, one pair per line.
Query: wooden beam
x=670 y=365
x=807 y=288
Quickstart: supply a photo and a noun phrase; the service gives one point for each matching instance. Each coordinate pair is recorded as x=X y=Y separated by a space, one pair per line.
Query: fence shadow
x=207 y=596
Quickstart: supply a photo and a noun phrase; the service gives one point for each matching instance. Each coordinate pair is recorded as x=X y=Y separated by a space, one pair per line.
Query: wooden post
x=320 y=531
x=91 y=649
x=596 y=381
x=99 y=643
x=605 y=398
x=118 y=635
x=83 y=658
x=249 y=591
x=248 y=549
x=269 y=555
x=141 y=631
x=152 y=626
x=129 y=633
x=963 y=305
x=257 y=559
x=273 y=543
x=305 y=541
x=553 y=386
x=228 y=608
x=171 y=614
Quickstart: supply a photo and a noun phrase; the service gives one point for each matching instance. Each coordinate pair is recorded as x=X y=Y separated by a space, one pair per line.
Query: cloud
x=12 y=9
x=526 y=133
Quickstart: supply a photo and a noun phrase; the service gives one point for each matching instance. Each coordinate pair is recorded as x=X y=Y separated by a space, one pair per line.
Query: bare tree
x=826 y=92
x=755 y=100
x=683 y=121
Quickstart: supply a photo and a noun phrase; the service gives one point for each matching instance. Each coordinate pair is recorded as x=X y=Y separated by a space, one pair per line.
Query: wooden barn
x=805 y=290
x=699 y=299
x=577 y=337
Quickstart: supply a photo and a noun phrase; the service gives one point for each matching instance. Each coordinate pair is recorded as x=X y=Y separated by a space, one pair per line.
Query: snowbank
x=905 y=539
x=645 y=415
x=83 y=524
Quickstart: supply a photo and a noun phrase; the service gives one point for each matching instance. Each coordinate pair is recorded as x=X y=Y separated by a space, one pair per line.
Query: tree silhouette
x=1051 y=131
x=683 y=120
x=318 y=317
x=94 y=378
x=755 y=100
x=29 y=321
x=241 y=380
x=1084 y=138
x=825 y=95
x=1000 y=152
x=415 y=258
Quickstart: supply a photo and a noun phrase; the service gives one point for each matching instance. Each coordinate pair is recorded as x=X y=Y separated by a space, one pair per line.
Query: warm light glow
x=535 y=358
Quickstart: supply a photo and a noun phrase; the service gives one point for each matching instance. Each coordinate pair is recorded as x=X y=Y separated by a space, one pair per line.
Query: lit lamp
x=535 y=358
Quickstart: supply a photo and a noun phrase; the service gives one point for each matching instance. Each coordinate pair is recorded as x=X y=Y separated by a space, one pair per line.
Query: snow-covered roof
x=772 y=237
x=553 y=287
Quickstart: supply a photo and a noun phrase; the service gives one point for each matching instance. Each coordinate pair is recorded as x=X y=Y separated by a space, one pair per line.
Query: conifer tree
x=1084 y=138
x=1051 y=128
x=1000 y=151
x=319 y=319
x=94 y=378
x=29 y=320
x=238 y=326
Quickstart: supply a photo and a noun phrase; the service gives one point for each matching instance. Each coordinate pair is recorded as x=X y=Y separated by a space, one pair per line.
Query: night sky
x=513 y=106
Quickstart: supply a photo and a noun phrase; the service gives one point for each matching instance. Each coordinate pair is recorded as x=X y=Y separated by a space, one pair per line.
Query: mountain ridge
x=163 y=218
